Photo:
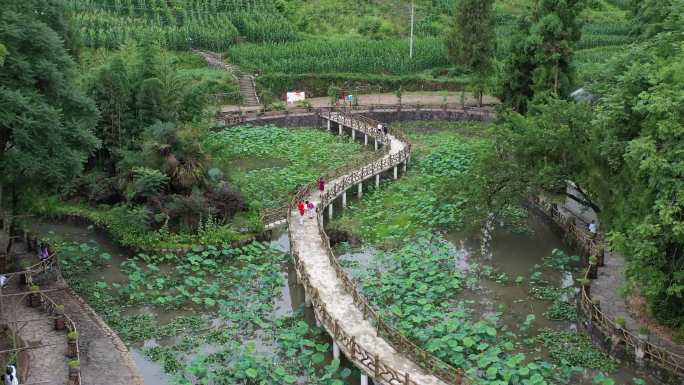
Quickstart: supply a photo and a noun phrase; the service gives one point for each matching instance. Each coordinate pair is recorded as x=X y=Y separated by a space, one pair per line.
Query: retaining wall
x=311 y=119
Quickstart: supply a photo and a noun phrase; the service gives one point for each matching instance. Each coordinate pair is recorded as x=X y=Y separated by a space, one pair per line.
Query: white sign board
x=293 y=97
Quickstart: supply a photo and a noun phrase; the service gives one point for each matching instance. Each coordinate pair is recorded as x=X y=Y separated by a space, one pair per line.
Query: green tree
x=3 y=53
x=626 y=154
x=112 y=90
x=45 y=121
x=471 y=42
x=540 y=60
x=149 y=102
x=654 y=16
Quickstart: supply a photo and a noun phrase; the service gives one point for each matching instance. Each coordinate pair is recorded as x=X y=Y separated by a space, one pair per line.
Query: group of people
x=309 y=207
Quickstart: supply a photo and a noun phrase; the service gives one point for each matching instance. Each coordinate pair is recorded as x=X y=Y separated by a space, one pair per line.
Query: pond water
x=512 y=256
x=292 y=298
x=152 y=372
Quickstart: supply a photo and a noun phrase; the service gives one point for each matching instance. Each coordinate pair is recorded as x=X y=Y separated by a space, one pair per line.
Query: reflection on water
x=514 y=256
x=152 y=372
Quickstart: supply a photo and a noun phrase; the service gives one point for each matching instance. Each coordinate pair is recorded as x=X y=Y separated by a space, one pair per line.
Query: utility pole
x=413 y=9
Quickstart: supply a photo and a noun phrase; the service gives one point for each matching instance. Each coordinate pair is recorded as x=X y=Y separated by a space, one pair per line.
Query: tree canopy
x=540 y=58
x=46 y=122
x=626 y=153
x=471 y=42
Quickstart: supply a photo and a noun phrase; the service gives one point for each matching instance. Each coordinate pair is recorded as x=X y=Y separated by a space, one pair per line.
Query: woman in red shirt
x=321 y=185
x=301 y=208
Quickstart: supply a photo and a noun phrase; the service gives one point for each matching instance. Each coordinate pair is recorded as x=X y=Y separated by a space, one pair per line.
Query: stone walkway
x=610 y=281
x=47 y=364
x=105 y=360
x=338 y=302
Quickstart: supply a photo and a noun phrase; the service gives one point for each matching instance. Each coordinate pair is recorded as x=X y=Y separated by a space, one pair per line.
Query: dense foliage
x=179 y=25
x=625 y=153
x=471 y=41
x=540 y=60
x=341 y=55
x=46 y=121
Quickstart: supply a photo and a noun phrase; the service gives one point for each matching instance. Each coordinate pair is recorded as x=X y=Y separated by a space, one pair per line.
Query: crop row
x=325 y=56
x=180 y=26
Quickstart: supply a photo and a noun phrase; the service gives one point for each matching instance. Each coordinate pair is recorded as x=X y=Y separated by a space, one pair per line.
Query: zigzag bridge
x=377 y=349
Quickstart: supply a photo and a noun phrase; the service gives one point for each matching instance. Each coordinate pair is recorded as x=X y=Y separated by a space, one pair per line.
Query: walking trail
x=245 y=82
x=104 y=358
x=338 y=302
x=610 y=282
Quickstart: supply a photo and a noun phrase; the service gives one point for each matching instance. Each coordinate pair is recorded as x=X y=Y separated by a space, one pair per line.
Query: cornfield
x=179 y=24
x=350 y=56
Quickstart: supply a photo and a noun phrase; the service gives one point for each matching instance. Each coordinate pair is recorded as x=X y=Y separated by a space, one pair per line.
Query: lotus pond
x=233 y=315
x=216 y=316
x=504 y=312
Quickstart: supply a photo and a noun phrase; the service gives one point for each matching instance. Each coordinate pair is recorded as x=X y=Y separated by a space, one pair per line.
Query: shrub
x=146 y=183
x=227 y=200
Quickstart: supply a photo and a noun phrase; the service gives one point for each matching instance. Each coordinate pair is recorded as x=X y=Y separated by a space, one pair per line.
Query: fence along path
x=372 y=345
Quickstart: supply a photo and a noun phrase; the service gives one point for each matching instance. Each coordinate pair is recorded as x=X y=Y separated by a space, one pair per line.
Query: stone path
x=245 y=82
x=338 y=302
x=47 y=364
x=610 y=281
x=104 y=358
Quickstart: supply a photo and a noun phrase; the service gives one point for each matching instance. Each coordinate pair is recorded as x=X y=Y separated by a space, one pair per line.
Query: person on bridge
x=301 y=208
x=321 y=185
x=11 y=375
x=311 y=208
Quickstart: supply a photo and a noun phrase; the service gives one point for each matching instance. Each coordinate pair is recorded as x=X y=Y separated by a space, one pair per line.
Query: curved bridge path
x=377 y=349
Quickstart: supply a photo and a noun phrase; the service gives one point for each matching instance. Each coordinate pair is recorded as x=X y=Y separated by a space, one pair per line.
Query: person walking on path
x=11 y=375
x=321 y=185
x=593 y=229
x=301 y=208
x=311 y=208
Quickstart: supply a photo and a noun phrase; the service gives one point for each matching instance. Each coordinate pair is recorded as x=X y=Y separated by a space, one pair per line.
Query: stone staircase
x=246 y=82
x=248 y=91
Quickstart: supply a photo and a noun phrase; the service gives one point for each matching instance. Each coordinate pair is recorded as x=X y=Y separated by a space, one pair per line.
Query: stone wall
x=386 y=116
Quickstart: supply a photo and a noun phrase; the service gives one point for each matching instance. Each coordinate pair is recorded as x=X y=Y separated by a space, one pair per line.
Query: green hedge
x=316 y=85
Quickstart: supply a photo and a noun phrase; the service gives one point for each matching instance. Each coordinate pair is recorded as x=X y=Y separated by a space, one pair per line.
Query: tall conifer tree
x=472 y=40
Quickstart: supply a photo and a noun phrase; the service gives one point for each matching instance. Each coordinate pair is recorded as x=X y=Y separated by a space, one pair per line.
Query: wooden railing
x=370 y=363
x=277 y=214
x=46 y=303
x=595 y=246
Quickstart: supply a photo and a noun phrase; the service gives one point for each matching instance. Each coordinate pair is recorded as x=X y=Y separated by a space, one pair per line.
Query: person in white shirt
x=593 y=228
x=11 y=375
